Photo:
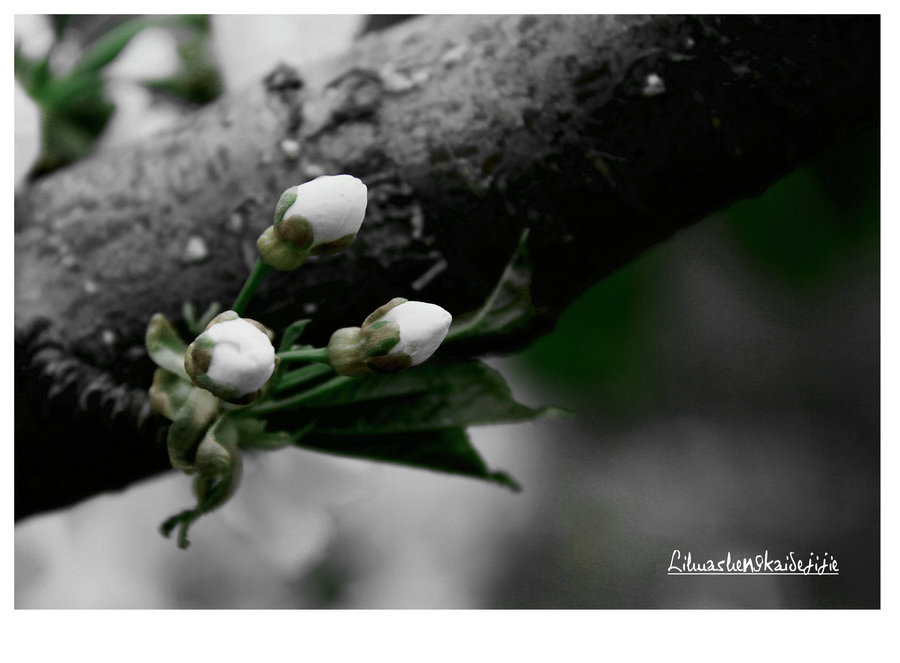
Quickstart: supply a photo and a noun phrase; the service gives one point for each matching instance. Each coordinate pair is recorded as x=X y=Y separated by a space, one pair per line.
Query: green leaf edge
x=165 y=346
x=291 y=333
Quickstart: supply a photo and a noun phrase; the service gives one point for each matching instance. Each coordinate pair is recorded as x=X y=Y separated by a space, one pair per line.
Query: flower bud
x=233 y=358
x=319 y=217
x=422 y=328
x=396 y=336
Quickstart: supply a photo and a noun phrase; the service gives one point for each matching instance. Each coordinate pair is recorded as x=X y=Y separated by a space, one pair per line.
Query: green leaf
x=438 y=450
x=168 y=393
x=432 y=396
x=31 y=74
x=165 y=347
x=196 y=325
x=71 y=123
x=189 y=313
x=292 y=333
x=197 y=80
x=197 y=21
x=290 y=336
x=211 y=312
x=106 y=48
x=508 y=308
x=433 y=375
x=252 y=434
x=60 y=23
x=285 y=379
x=194 y=84
x=64 y=94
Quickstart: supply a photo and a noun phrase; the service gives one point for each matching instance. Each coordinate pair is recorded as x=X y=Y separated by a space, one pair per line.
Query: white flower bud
x=423 y=327
x=243 y=356
x=394 y=337
x=233 y=358
x=334 y=207
x=318 y=217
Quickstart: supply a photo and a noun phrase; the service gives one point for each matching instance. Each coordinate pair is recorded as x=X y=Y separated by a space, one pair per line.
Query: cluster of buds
x=318 y=217
x=394 y=337
x=233 y=358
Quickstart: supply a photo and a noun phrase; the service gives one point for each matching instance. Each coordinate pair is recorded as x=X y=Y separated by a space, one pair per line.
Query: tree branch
x=603 y=135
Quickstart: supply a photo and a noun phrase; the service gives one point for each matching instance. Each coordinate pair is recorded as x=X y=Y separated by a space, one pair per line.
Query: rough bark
x=603 y=135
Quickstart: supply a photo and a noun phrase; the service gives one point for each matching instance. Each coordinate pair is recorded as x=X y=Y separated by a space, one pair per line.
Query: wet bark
x=603 y=135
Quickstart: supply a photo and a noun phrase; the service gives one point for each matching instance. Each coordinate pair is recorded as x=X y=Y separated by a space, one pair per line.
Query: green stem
x=260 y=269
x=300 y=376
x=267 y=407
x=305 y=354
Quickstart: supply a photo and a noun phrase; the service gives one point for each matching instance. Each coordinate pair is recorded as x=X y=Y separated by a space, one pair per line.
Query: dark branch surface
x=603 y=135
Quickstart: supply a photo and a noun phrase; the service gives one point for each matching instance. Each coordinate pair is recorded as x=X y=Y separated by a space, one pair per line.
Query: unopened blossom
x=396 y=336
x=422 y=326
x=233 y=358
x=319 y=217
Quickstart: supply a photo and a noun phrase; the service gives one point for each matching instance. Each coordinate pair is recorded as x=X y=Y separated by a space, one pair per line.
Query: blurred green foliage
x=74 y=105
x=800 y=235
x=805 y=226
x=198 y=79
x=601 y=351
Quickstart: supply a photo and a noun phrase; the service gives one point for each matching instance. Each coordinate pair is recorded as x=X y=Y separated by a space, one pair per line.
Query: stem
x=507 y=281
x=305 y=354
x=301 y=375
x=260 y=269
x=267 y=407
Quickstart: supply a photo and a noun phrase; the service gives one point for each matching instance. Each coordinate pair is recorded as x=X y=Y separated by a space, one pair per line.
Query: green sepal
x=389 y=364
x=204 y=342
x=378 y=313
x=224 y=391
x=279 y=253
x=292 y=333
x=296 y=230
x=335 y=246
x=165 y=347
x=168 y=393
x=345 y=352
x=380 y=337
x=287 y=199
x=198 y=411
x=196 y=325
x=224 y=316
